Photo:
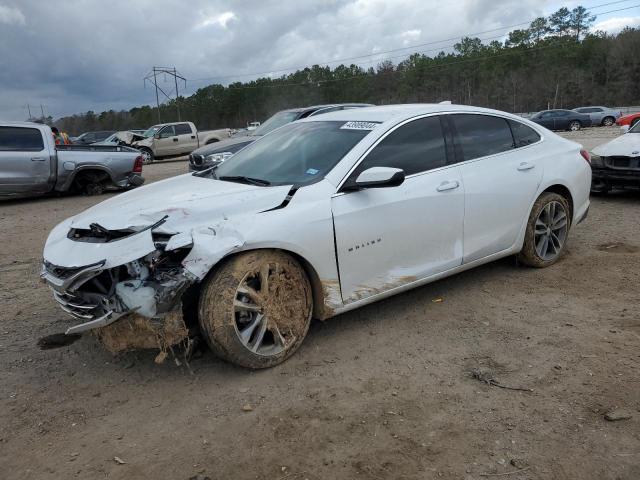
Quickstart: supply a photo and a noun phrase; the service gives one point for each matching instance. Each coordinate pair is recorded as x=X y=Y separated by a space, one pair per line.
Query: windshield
x=151 y=131
x=276 y=121
x=113 y=138
x=297 y=154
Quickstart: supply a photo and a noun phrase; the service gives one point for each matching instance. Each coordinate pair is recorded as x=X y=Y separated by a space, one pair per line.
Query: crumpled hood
x=188 y=201
x=625 y=145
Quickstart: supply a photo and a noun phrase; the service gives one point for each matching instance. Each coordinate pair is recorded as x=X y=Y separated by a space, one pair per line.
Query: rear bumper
x=132 y=180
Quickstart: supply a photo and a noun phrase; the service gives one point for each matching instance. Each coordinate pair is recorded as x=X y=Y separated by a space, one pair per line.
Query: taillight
x=585 y=155
x=137 y=166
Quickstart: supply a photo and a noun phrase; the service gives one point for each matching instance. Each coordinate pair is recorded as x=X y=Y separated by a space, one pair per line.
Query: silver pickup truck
x=31 y=164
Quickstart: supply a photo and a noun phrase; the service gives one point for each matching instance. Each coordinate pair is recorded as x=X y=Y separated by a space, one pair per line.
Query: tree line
x=557 y=62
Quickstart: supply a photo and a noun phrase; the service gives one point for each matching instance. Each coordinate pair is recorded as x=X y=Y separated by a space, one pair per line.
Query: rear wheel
x=147 y=156
x=608 y=121
x=547 y=231
x=575 y=126
x=255 y=310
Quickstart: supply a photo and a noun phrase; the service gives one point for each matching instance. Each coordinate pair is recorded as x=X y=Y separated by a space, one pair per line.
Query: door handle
x=175 y=139
x=525 y=166
x=38 y=159
x=193 y=136
x=444 y=186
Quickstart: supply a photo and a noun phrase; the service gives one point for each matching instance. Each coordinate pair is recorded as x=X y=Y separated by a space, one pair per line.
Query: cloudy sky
x=77 y=55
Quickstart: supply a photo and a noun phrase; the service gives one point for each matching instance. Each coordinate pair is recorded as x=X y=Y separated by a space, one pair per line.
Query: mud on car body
x=318 y=217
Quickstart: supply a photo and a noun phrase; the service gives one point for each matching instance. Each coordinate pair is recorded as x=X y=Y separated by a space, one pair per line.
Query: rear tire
x=575 y=126
x=608 y=121
x=547 y=231
x=255 y=309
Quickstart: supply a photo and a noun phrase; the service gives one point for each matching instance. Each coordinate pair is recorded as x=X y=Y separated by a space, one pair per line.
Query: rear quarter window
x=523 y=135
x=20 y=139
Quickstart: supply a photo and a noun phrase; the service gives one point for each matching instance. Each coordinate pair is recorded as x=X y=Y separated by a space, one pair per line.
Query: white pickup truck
x=31 y=164
x=174 y=139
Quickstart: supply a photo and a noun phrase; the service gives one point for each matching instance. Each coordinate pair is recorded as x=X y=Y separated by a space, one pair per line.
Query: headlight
x=217 y=157
x=597 y=161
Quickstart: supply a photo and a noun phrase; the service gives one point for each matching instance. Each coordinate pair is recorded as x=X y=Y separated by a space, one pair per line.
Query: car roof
x=388 y=112
x=22 y=124
x=328 y=105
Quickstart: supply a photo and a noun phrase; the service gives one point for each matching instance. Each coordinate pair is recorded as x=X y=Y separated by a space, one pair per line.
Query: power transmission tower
x=153 y=78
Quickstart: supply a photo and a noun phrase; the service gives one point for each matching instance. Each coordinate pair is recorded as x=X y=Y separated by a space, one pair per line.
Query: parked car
x=630 y=119
x=561 y=119
x=174 y=139
x=88 y=138
x=600 y=115
x=207 y=156
x=31 y=163
x=253 y=125
x=320 y=216
x=616 y=164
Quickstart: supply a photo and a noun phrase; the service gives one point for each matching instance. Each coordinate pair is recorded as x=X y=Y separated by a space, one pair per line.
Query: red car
x=630 y=119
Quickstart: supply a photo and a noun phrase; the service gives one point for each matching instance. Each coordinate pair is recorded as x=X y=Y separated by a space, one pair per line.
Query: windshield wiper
x=243 y=179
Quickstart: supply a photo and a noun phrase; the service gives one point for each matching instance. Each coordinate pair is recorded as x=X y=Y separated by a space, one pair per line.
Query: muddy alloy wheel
x=147 y=156
x=608 y=121
x=255 y=309
x=575 y=126
x=547 y=231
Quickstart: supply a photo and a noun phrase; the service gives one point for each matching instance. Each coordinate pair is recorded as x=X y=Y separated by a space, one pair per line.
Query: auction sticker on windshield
x=359 y=125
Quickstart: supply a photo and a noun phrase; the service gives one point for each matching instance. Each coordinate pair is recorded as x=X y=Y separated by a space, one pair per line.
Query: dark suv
x=209 y=155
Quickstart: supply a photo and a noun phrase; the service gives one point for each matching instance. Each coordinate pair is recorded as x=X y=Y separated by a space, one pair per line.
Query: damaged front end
x=126 y=283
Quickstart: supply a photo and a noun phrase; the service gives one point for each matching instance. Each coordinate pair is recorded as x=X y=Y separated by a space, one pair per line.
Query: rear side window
x=482 y=135
x=415 y=147
x=183 y=129
x=522 y=134
x=19 y=139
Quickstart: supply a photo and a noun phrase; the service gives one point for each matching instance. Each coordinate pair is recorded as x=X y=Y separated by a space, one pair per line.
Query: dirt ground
x=382 y=392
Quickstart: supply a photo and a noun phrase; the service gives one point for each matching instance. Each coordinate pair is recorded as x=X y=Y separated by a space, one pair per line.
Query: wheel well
x=190 y=298
x=563 y=191
x=93 y=175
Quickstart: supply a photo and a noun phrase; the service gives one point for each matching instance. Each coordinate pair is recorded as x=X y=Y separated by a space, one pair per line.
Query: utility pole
x=29 y=110
x=153 y=78
x=42 y=110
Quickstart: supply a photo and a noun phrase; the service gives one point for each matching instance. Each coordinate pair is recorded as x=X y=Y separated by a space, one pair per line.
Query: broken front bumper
x=135 y=276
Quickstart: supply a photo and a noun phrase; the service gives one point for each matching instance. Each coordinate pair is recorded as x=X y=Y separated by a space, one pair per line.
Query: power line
x=341 y=60
x=365 y=75
x=152 y=78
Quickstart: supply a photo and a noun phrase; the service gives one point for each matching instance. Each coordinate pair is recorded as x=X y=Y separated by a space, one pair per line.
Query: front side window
x=415 y=147
x=523 y=135
x=482 y=135
x=19 y=139
x=167 y=132
x=296 y=154
x=183 y=129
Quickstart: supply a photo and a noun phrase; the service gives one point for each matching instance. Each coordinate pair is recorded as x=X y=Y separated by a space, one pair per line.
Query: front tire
x=575 y=126
x=547 y=231
x=255 y=309
x=147 y=156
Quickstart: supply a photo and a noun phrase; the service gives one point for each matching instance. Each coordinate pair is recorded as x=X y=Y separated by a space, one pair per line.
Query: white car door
x=387 y=237
x=501 y=170
x=166 y=142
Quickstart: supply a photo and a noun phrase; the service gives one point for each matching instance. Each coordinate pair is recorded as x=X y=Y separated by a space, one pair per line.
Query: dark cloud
x=74 y=56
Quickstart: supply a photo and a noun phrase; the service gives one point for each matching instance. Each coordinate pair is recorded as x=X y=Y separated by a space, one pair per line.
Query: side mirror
x=624 y=129
x=379 y=177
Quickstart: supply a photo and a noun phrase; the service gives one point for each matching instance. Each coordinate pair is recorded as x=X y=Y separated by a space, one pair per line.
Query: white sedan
x=319 y=217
